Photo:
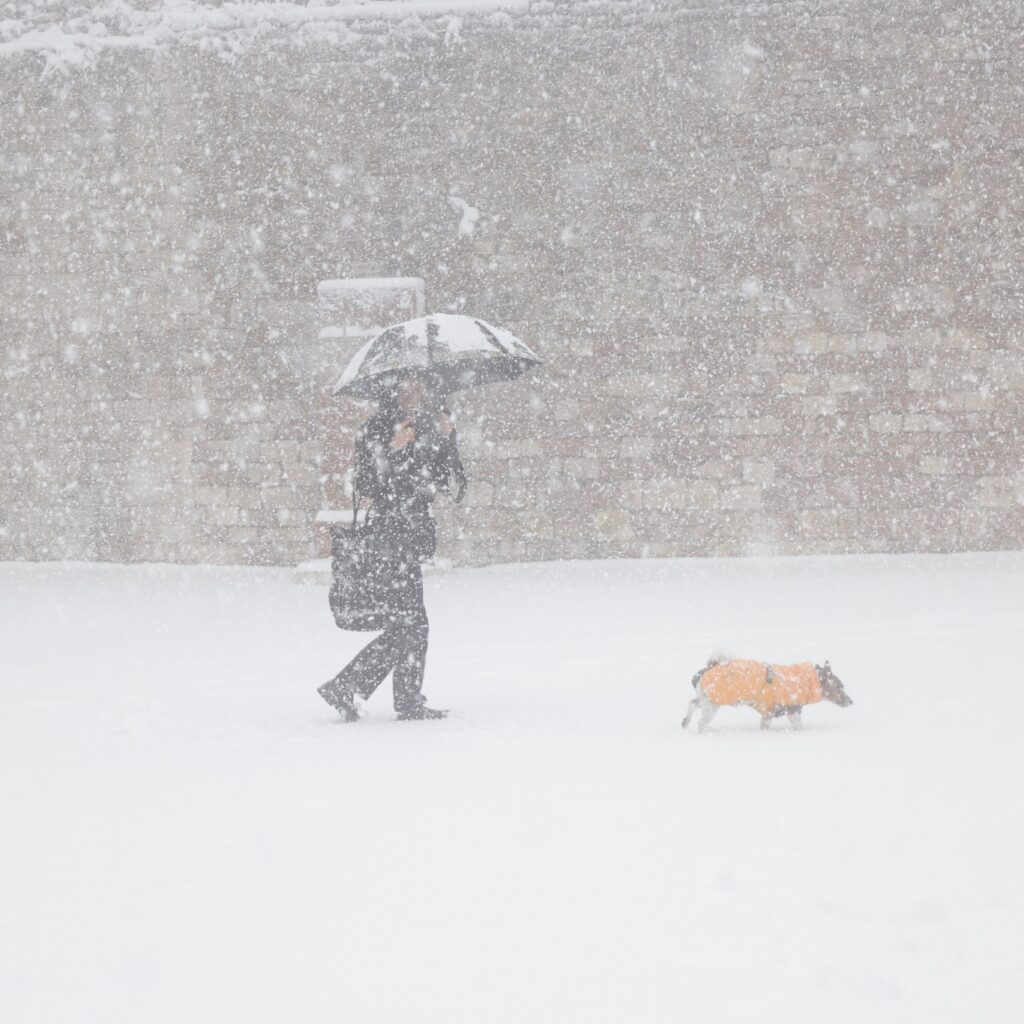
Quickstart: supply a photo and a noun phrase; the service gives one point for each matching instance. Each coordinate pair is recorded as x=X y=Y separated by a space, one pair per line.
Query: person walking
x=404 y=456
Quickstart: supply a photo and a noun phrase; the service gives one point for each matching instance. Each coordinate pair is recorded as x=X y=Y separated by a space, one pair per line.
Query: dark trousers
x=401 y=649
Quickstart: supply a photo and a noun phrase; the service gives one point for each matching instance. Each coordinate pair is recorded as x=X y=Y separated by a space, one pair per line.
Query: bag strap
x=461 y=480
x=357 y=500
x=455 y=466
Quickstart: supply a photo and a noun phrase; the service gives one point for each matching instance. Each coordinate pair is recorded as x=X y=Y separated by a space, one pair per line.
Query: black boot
x=342 y=698
x=419 y=713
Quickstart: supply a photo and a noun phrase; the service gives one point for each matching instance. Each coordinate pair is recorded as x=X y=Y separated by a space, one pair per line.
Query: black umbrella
x=458 y=351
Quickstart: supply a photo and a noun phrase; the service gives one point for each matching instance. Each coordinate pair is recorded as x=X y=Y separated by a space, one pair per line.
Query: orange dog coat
x=768 y=688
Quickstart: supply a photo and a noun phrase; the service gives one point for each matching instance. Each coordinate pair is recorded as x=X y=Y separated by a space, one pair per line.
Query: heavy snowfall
x=554 y=350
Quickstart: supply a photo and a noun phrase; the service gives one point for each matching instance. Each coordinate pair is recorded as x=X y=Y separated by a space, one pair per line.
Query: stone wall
x=770 y=253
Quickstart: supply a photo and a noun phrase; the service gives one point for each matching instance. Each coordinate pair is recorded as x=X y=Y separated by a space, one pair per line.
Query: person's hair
x=434 y=398
x=387 y=403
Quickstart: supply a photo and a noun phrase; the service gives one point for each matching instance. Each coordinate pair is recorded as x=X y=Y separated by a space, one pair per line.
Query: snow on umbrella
x=460 y=351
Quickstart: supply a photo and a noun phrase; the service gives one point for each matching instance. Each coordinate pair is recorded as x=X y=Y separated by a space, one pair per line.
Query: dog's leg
x=766 y=721
x=690 y=710
x=794 y=718
x=708 y=710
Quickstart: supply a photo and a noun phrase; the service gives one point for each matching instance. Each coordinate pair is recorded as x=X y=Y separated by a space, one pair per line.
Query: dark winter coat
x=401 y=483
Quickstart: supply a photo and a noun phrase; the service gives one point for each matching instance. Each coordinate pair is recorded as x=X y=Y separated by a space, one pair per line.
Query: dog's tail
x=718 y=657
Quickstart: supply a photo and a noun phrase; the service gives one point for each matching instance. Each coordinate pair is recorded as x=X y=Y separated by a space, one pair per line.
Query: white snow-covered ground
x=189 y=834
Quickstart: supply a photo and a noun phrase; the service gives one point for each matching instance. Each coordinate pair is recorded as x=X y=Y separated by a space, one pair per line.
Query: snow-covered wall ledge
x=65 y=34
x=68 y=35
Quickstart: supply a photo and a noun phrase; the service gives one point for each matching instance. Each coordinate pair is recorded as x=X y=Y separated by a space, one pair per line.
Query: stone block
x=919 y=379
x=742 y=497
x=795 y=383
x=821 y=343
x=755 y=472
x=885 y=423
x=935 y=465
x=819 y=405
x=479 y=494
x=921 y=422
x=829 y=522
x=765 y=425
x=222 y=515
x=717 y=469
x=613 y=524
x=996 y=493
x=970 y=401
x=583 y=469
x=636 y=447
x=669 y=493
x=846 y=383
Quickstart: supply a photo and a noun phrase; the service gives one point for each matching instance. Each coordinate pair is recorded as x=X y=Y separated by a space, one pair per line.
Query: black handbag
x=363 y=570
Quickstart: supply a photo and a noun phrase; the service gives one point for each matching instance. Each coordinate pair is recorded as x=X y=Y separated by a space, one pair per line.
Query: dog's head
x=832 y=686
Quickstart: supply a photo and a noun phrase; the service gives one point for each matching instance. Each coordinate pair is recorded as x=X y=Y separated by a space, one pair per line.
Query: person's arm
x=448 y=468
x=388 y=464
x=371 y=466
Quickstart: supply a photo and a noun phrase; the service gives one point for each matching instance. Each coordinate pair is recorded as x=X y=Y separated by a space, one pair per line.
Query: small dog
x=772 y=690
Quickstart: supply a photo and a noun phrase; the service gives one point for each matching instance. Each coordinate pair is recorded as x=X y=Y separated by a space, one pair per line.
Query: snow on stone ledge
x=348 y=286
x=70 y=34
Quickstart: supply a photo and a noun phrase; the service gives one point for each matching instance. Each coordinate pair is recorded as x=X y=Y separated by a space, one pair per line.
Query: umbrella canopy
x=459 y=351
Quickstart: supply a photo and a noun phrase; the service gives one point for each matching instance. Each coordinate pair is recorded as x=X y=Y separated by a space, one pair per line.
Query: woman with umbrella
x=405 y=455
